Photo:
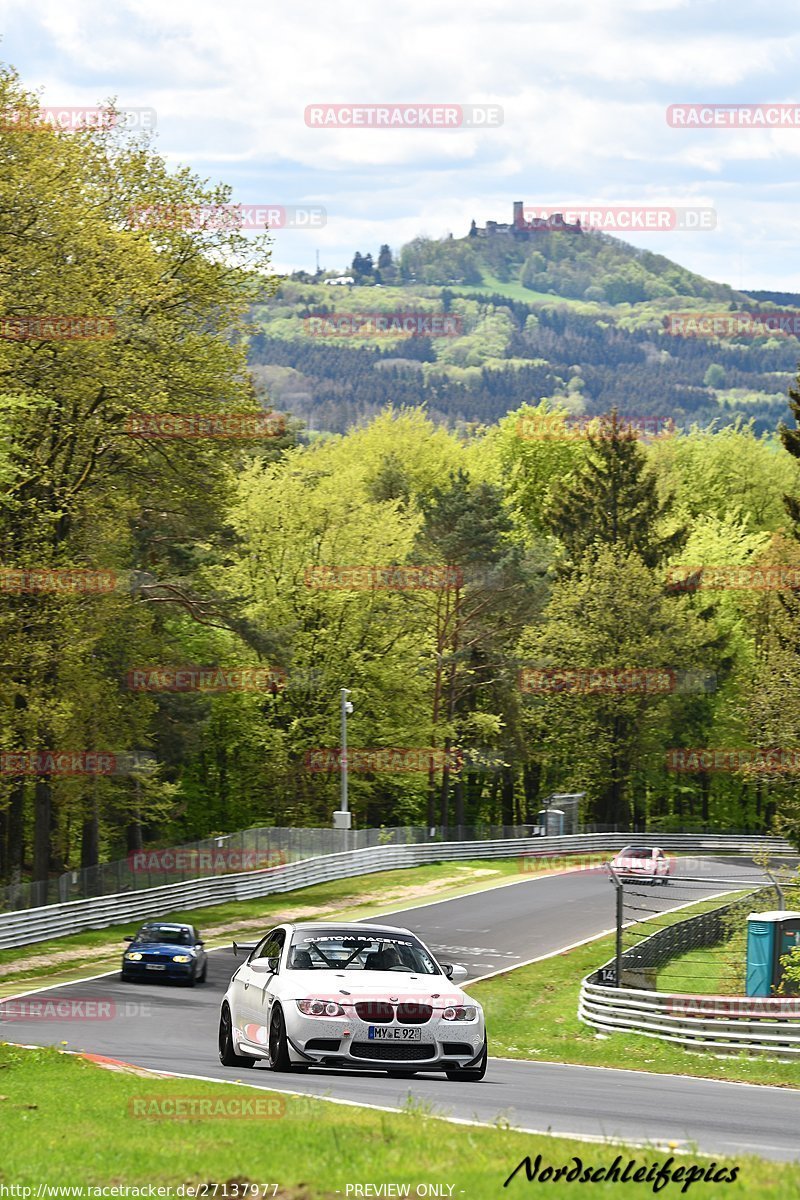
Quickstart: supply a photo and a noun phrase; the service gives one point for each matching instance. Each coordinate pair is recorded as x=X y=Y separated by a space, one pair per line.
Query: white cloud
x=584 y=89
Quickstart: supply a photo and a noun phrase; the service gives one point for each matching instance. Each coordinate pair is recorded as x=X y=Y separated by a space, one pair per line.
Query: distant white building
x=346 y=280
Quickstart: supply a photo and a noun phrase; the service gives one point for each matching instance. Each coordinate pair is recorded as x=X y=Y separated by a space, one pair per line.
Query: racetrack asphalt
x=174 y=1029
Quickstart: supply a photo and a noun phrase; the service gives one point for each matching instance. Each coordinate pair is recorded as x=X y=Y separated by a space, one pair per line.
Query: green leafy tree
x=610 y=614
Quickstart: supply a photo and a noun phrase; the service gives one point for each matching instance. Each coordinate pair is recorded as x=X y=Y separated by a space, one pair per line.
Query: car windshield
x=166 y=934
x=636 y=852
x=344 y=949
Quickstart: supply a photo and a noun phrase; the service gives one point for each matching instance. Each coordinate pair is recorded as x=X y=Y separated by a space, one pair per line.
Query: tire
x=470 y=1074
x=227 y=1055
x=125 y=977
x=277 y=1045
x=191 y=980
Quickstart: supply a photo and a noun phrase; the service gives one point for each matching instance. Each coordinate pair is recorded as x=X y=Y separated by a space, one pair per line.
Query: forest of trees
x=512 y=353
x=434 y=571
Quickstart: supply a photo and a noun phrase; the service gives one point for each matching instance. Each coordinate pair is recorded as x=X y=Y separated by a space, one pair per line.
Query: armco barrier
x=718 y=1023
x=56 y=920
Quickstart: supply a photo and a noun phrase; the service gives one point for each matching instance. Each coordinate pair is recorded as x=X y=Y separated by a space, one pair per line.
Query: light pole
x=342 y=818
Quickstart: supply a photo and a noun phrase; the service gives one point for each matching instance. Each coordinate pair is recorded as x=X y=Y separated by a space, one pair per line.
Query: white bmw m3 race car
x=350 y=995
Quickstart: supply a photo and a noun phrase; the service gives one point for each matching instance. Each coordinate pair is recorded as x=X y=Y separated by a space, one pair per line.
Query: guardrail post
x=778 y=889
x=619 y=919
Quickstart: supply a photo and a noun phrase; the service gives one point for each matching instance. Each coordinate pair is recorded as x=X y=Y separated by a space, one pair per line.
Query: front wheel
x=470 y=1074
x=278 y=1047
x=227 y=1054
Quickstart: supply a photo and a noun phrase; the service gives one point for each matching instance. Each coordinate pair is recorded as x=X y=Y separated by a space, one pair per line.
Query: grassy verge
x=712 y=971
x=62 y=960
x=531 y=1013
x=121 y=1128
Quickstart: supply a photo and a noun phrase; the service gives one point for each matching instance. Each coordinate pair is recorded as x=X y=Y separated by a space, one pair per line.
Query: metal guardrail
x=766 y=1025
x=57 y=920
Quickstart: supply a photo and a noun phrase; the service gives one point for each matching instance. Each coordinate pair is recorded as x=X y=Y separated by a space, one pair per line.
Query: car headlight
x=133 y=956
x=181 y=958
x=466 y=1012
x=320 y=1008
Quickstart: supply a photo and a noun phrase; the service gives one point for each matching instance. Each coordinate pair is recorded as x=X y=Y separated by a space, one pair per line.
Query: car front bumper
x=155 y=971
x=345 y=1041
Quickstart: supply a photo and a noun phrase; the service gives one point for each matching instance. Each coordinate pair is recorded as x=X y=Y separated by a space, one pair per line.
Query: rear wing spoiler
x=245 y=947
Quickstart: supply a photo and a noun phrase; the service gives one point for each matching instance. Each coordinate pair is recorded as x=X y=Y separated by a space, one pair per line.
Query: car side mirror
x=199 y=945
x=273 y=964
x=129 y=938
x=245 y=947
x=455 y=971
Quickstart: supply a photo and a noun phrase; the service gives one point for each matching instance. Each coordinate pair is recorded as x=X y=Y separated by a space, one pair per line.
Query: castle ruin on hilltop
x=522 y=228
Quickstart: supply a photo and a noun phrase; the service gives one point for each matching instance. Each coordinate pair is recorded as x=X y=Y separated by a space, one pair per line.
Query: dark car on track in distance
x=165 y=950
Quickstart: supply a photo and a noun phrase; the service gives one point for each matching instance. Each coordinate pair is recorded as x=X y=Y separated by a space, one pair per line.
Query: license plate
x=383 y=1033
x=156 y=966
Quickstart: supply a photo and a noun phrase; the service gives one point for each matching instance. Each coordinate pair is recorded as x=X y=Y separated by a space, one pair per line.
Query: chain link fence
x=247 y=850
x=652 y=934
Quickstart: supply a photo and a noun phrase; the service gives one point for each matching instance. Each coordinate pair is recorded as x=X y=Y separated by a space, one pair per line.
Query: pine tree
x=612 y=500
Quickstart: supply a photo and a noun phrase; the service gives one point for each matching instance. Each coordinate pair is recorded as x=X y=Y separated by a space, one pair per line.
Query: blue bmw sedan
x=166 y=950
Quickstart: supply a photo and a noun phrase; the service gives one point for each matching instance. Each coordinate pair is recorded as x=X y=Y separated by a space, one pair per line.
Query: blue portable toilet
x=766 y=944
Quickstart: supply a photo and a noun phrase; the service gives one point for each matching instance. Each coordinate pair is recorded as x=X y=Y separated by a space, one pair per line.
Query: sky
x=584 y=90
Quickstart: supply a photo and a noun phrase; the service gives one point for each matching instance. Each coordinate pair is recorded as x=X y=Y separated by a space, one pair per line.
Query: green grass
x=81 y=954
x=118 y=1128
x=515 y=291
x=712 y=971
x=531 y=1013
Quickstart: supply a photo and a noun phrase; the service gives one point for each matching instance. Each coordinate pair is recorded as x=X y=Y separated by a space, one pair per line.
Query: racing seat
x=382 y=960
x=301 y=960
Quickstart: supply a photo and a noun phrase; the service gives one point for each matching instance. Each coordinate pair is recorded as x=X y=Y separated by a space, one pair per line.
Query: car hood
x=374 y=985
x=159 y=948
